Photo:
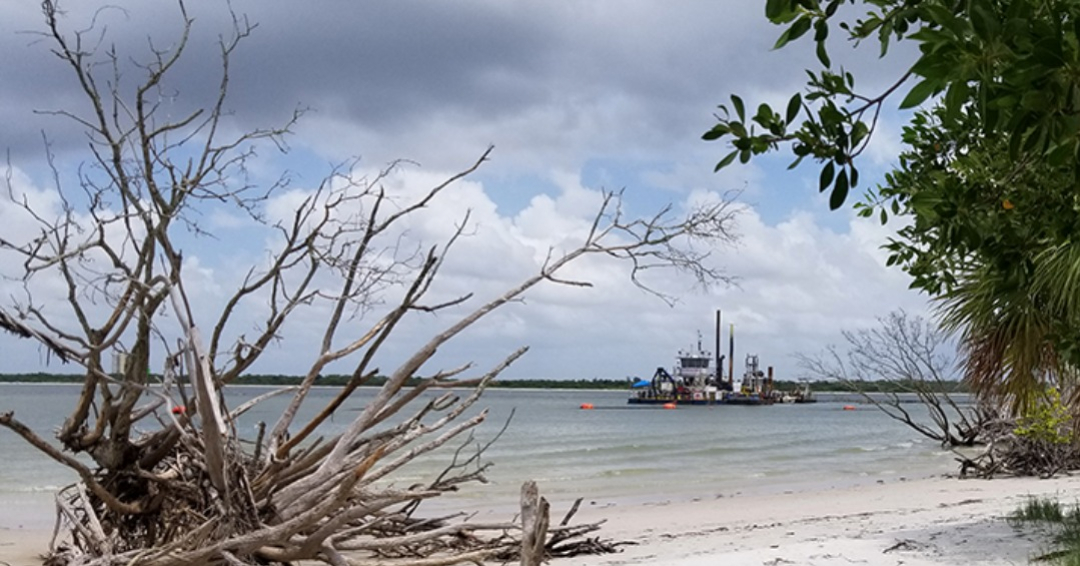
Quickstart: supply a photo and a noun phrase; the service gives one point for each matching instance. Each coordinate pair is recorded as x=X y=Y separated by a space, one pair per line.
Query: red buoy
x=179 y=410
x=669 y=405
x=586 y=405
x=849 y=407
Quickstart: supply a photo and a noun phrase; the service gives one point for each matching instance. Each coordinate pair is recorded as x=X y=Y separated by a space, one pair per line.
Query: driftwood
x=166 y=478
x=534 y=524
x=1009 y=453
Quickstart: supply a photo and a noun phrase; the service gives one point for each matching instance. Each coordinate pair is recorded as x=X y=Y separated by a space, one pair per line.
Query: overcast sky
x=574 y=96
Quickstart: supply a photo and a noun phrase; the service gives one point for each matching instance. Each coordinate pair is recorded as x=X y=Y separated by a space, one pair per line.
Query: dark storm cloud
x=381 y=64
x=395 y=68
x=552 y=84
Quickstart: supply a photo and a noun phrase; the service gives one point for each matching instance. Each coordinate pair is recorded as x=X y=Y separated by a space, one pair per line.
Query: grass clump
x=1039 y=510
x=1063 y=521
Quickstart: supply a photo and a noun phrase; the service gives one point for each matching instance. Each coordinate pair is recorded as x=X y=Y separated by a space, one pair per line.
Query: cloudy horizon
x=576 y=98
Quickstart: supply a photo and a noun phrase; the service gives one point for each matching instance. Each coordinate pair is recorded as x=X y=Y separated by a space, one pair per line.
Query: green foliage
x=42 y=378
x=1014 y=64
x=1048 y=422
x=1063 y=521
x=1039 y=510
x=991 y=239
x=989 y=175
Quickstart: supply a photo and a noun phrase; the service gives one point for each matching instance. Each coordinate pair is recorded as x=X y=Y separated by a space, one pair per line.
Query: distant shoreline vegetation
x=597 y=383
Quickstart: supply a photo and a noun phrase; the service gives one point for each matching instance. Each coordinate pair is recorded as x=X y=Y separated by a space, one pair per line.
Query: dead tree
x=909 y=355
x=912 y=356
x=188 y=491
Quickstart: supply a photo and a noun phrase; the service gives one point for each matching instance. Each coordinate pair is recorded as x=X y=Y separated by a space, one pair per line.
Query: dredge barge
x=695 y=380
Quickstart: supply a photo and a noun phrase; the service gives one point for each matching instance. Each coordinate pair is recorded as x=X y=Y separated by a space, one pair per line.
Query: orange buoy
x=669 y=405
x=849 y=407
x=586 y=405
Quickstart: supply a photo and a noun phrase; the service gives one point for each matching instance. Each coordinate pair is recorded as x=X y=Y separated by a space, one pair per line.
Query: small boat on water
x=800 y=395
x=696 y=381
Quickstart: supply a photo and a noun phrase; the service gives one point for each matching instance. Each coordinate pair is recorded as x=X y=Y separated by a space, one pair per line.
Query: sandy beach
x=925 y=522
x=22 y=547
x=937 y=521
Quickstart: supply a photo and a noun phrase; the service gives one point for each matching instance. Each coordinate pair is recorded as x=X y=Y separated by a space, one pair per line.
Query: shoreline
x=937 y=521
x=925 y=522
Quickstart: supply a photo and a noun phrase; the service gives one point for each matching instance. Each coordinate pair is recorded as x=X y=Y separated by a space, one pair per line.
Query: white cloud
x=557 y=88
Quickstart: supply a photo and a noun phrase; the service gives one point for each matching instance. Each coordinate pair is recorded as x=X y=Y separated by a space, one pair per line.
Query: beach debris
x=541 y=542
x=905 y=545
x=166 y=475
x=534 y=524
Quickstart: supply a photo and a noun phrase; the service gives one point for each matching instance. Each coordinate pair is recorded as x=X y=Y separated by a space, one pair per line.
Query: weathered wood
x=534 y=524
x=570 y=514
x=197 y=491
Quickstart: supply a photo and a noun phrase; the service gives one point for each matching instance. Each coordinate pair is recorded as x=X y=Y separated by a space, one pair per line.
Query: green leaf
x=1061 y=154
x=775 y=8
x=800 y=27
x=740 y=110
x=726 y=160
x=823 y=55
x=1035 y=100
x=793 y=107
x=883 y=36
x=826 y=179
x=854 y=176
x=984 y=21
x=955 y=98
x=884 y=217
x=840 y=191
x=923 y=203
x=944 y=17
x=764 y=115
x=716 y=132
x=919 y=93
x=858 y=133
x=821 y=31
x=780 y=11
x=797 y=29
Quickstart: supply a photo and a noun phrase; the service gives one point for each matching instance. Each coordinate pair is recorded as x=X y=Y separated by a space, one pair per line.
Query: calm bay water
x=613 y=452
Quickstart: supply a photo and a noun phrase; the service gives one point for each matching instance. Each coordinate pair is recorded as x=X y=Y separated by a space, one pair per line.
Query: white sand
x=23 y=547
x=929 y=522
x=915 y=523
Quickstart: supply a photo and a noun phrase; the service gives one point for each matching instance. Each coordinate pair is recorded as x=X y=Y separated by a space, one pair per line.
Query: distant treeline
x=339 y=380
x=595 y=383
